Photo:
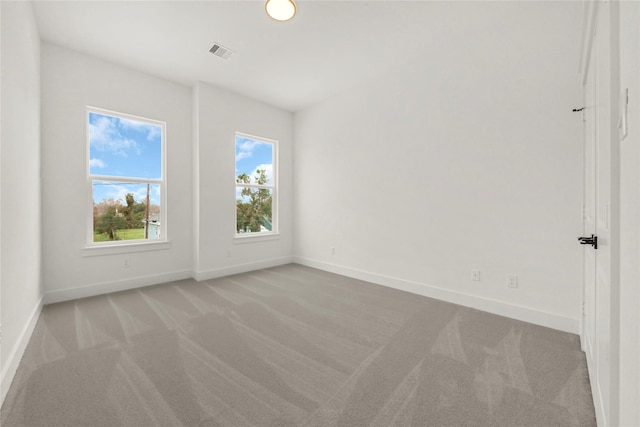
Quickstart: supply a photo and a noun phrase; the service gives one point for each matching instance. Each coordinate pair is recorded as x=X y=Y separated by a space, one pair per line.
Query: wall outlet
x=127 y=263
x=475 y=275
x=512 y=280
x=333 y=250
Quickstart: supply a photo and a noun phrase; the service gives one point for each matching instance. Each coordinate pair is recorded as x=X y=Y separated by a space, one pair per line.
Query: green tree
x=257 y=211
x=128 y=211
x=95 y=216
x=138 y=211
x=110 y=222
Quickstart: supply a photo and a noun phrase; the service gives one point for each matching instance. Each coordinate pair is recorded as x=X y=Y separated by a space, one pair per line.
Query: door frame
x=595 y=13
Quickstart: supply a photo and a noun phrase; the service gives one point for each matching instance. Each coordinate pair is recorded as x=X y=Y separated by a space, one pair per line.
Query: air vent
x=221 y=51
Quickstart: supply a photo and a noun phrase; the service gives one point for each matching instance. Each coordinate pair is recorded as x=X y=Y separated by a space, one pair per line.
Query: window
x=125 y=164
x=256 y=186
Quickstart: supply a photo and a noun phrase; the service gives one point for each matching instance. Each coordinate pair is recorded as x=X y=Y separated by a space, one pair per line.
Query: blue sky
x=253 y=154
x=119 y=190
x=124 y=148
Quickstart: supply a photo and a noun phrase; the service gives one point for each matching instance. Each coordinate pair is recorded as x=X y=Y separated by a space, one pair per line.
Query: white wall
x=20 y=279
x=469 y=158
x=70 y=82
x=219 y=114
x=630 y=219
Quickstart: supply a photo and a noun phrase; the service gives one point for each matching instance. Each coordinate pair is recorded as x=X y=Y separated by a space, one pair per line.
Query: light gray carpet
x=292 y=346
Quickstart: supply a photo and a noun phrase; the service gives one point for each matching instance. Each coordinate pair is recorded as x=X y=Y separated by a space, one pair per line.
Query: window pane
x=123 y=147
x=253 y=210
x=254 y=161
x=120 y=211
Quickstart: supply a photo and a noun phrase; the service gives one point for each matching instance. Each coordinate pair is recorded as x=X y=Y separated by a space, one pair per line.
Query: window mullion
x=267 y=187
x=125 y=179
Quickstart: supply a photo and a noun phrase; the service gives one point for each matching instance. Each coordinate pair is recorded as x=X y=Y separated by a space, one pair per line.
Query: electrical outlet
x=512 y=280
x=333 y=250
x=127 y=263
x=475 y=275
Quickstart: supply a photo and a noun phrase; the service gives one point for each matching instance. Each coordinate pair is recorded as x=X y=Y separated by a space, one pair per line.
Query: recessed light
x=280 y=10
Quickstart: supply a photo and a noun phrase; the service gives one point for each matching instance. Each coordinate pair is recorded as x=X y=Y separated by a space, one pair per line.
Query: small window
x=125 y=166
x=256 y=186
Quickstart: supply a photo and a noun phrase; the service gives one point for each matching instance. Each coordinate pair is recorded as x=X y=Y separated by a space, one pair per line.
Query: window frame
x=117 y=246
x=263 y=235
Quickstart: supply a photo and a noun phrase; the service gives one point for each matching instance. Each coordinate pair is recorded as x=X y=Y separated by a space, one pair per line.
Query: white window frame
x=119 y=246
x=263 y=235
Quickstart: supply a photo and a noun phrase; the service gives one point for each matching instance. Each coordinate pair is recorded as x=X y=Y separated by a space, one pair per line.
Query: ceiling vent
x=221 y=51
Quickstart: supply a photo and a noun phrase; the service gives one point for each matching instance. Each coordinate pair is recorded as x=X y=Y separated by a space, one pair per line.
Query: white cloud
x=104 y=136
x=242 y=155
x=153 y=131
x=119 y=192
x=245 y=149
x=268 y=171
x=97 y=163
x=248 y=145
x=267 y=168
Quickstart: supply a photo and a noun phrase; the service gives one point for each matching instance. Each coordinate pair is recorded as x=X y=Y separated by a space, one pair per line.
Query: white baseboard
x=139 y=282
x=116 y=286
x=500 y=308
x=241 y=268
x=13 y=360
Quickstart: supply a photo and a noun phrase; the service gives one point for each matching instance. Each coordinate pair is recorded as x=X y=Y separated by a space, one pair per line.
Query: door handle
x=593 y=241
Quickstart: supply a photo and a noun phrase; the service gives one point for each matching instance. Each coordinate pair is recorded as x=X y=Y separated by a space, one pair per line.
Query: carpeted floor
x=292 y=346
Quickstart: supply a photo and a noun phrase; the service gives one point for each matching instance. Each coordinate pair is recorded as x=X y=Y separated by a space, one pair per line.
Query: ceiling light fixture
x=280 y=10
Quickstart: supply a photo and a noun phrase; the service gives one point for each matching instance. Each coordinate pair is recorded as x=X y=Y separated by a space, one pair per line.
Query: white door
x=597 y=215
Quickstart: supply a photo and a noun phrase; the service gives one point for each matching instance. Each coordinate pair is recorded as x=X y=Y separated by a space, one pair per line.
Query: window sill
x=256 y=238
x=90 y=250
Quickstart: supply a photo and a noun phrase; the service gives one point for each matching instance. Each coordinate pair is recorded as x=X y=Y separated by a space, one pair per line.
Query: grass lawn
x=128 y=234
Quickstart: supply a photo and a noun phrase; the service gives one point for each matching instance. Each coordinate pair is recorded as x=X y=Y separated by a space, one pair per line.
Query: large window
x=256 y=186
x=125 y=164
